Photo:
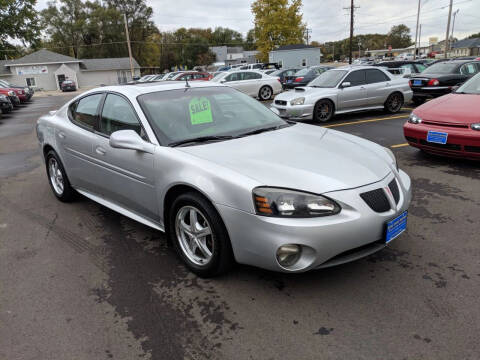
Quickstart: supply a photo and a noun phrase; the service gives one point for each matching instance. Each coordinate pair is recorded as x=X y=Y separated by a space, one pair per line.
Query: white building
x=298 y=55
x=46 y=70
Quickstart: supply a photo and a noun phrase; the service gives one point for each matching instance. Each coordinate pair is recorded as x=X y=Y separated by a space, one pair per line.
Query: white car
x=250 y=82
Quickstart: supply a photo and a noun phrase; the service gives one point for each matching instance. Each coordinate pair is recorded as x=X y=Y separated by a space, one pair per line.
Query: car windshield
x=441 y=68
x=328 y=79
x=472 y=86
x=179 y=115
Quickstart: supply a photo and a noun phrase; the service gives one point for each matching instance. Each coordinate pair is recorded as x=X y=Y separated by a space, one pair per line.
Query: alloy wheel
x=395 y=103
x=56 y=176
x=265 y=93
x=194 y=235
x=323 y=111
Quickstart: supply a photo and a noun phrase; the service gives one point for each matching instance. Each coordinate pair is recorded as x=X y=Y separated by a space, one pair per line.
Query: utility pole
x=416 y=31
x=333 y=52
x=307 y=34
x=359 y=52
x=419 y=38
x=448 y=27
x=128 y=44
x=352 y=9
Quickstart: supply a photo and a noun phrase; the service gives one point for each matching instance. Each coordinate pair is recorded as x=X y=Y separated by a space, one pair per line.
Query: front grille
x=438 y=123
x=393 y=186
x=411 y=139
x=472 y=149
x=281 y=102
x=377 y=200
x=447 y=146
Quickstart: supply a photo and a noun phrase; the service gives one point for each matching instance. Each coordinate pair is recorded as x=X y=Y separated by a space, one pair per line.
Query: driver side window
x=118 y=114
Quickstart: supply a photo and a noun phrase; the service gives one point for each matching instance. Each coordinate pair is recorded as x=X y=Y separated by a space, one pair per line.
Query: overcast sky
x=326 y=18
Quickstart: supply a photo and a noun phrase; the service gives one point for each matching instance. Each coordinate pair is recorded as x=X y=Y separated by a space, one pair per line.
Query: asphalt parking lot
x=78 y=281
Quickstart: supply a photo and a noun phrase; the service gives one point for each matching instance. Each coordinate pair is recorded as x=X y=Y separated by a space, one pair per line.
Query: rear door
x=378 y=87
x=354 y=96
x=252 y=83
x=75 y=139
x=126 y=177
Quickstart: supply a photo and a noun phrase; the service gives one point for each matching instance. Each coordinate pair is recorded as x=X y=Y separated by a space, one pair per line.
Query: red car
x=11 y=94
x=19 y=92
x=448 y=125
x=193 y=76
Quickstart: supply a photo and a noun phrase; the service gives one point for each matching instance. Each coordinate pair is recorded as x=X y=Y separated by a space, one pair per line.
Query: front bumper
x=294 y=112
x=6 y=106
x=14 y=100
x=461 y=142
x=355 y=232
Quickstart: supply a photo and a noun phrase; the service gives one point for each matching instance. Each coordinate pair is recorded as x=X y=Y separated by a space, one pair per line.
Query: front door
x=60 y=78
x=126 y=177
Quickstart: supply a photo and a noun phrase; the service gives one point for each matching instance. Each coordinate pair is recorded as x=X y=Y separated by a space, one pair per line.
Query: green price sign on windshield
x=200 y=111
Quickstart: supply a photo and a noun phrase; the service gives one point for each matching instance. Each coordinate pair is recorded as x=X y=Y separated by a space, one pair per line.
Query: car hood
x=301 y=156
x=452 y=108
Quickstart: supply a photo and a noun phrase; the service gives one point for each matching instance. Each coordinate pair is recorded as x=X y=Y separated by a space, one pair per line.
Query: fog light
x=288 y=255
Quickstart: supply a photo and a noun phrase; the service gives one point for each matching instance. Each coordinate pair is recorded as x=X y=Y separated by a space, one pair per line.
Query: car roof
x=136 y=89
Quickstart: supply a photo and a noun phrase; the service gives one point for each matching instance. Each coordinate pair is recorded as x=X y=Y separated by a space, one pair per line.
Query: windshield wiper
x=259 y=131
x=201 y=139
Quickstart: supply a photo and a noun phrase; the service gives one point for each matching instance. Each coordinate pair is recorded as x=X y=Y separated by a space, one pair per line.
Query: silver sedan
x=342 y=90
x=226 y=179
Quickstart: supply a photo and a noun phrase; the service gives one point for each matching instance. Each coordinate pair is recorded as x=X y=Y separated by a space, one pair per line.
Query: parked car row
x=11 y=96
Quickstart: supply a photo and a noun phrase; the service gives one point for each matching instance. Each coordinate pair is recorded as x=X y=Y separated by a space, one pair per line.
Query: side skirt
x=122 y=210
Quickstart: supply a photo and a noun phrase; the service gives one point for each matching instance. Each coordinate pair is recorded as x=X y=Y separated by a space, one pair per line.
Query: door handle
x=100 y=151
x=61 y=135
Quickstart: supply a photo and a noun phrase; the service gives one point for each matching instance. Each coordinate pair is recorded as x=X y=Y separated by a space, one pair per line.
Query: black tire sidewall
x=260 y=92
x=387 y=106
x=222 y=254
x=315 y=118
x=68 y=191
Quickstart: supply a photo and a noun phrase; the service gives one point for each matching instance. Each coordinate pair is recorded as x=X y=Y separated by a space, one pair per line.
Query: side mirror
x=346 y=84
x=129 y=139
x=223 y=81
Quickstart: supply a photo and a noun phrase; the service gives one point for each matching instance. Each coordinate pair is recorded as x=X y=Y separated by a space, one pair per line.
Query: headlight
x=27 y=90
x=11 y=93
x=290 y=203
x=475 y=126
x=393 y=157
x=298 y=101
x=414 y=119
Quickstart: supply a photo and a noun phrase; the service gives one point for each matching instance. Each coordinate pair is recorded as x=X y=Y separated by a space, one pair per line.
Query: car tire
x=209 y=255
x=265 y=93
x=418 y=101
x=394 y=103
x=323 y=111
x=57 y=178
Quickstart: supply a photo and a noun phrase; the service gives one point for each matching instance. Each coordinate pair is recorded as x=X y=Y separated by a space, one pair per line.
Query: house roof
x=42 y=57
x=107 y=64
x=466 y=43
x=294 y=47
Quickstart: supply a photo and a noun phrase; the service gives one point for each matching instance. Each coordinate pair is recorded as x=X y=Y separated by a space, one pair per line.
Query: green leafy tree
x=18 y=20
x=277 y=22
x=65 y=25
x=250 y=42
x=399 y=36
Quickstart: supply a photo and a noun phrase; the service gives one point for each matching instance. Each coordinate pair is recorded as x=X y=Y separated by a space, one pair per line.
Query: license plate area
x=396 y=227
x=417 y=82
x=437 y=137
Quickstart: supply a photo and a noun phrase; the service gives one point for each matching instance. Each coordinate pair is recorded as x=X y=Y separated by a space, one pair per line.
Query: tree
x=250 y=42
x=473 y=36
x=18 y=21
x=65 y=25
x=399 y=37
x=277 y=22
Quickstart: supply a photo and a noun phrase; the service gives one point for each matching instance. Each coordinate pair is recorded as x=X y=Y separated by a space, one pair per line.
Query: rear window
x=441 y=68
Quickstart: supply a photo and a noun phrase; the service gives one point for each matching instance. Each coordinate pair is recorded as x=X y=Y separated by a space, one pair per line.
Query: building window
x=31 y=82
x=304 y=62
